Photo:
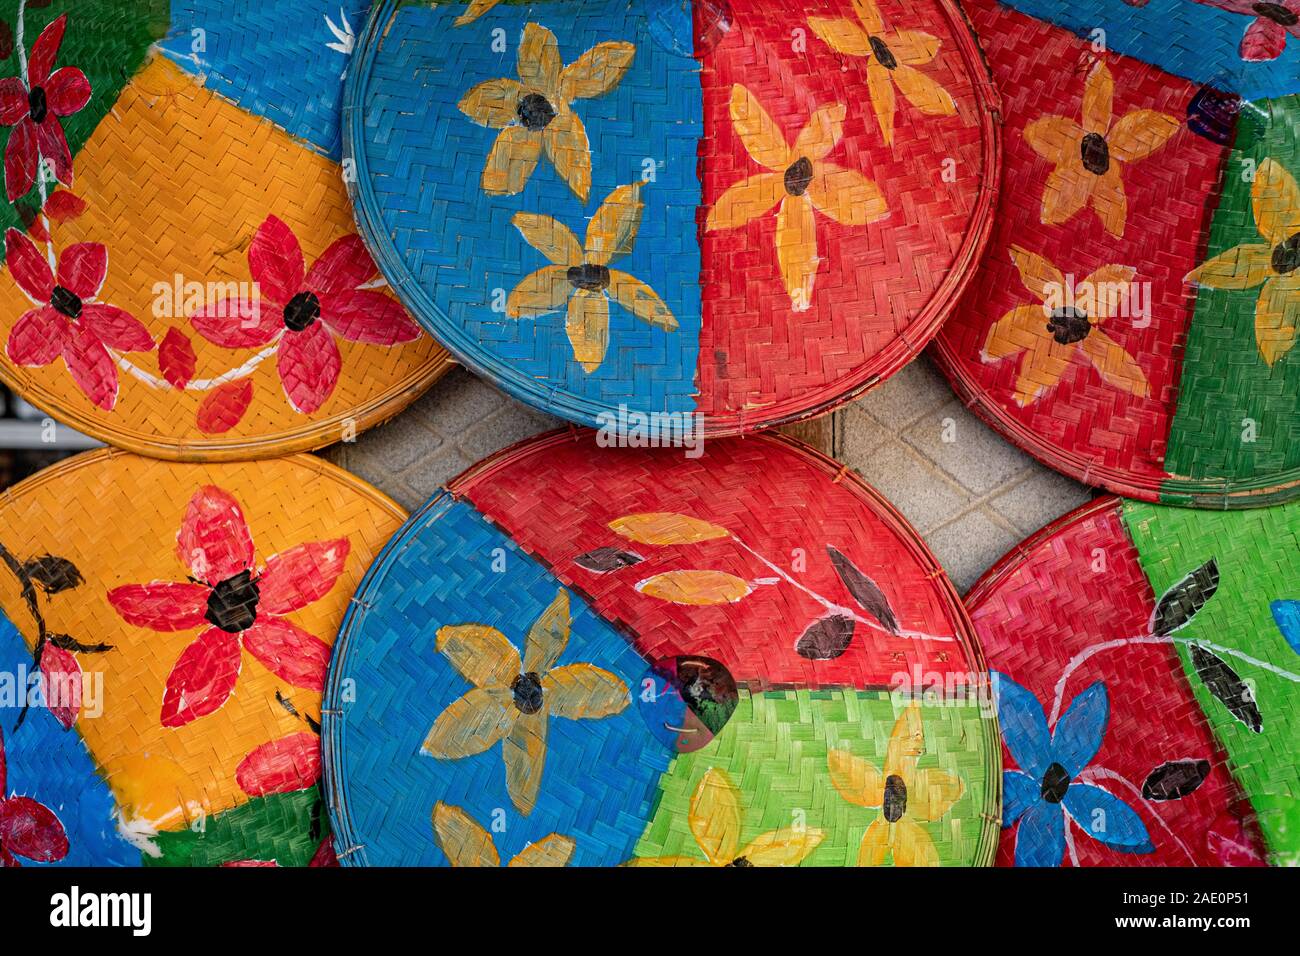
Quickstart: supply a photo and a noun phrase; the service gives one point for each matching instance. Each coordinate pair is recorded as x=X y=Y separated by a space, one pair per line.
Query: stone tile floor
x=970 y=494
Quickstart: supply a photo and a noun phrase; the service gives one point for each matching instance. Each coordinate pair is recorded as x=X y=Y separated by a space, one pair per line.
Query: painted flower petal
x=1277 y=314
x=880 y=87
x=566 y=145
x=481 y=654
x=1066 y=191
x=1040 y=840
x=275 y=261
x=1082 y=728
x=1039 y=276
x=473 y=10
x=1041 y=369
x=1140 y=133
x=539 y=59
x=464 y=842
x=20 y=159
x=281 y=766
x=912 y=47
x=116 y=328
x=239 y=323
x=512 y=160
x=82 y=268
x=91 y=367
x=1017 y=331
x=906 y=744
x=45 y=51
x=869 y=14
x=1275 y=200
x=1024 y=726
x=161 y=606
x=61 y=684
x=597 y=71
x=342 y=267
x=550 y=851
x=587 y=325
x=1098 y=99
x=924 y=93
x=38 y=337
x=28 y=267
x=550 y=237
x=471 y=723
x=67 y=91
x=667 y=861
x=714 y=817
x=745 y=201
x=1263 y=40
x=1106 y=818
x=758 y=132
x=524 y=752
x=933 y=793
x=912 y=845
x=288 y=652
x=1109 y=201
x=580 y=691
x=546 y=290
x=548 y=636
x=788 y=846
x=309 y=364
x=494 y=104
x=214 y=541
x=1105 y=284
x=875 y=843
x=53 y=146
x=1114 y=364
x=303 y=574
x=841 y=35
x=1055 y=138
x=641 y=300
x=202 y=678
x=14 y=104
x=31 y=830
x=364 y=315
x=1019 y=792
x=796 y=249
x=825 y=128
x=858 y=780
x=612 y=230
x=1287 y=616
x=1241 y=267
x=846 y=196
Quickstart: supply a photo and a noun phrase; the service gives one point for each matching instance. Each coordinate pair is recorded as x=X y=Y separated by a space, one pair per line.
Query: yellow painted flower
x=715 y=819
x=1089 y=156
x=511 y=702
x=892 y=61
x=474 y=10
x=800 y=180
x=580 y=276
x=1273 y=264
x=468 y=844
x=903 y=793
x=534 y=114
x=1066 y=321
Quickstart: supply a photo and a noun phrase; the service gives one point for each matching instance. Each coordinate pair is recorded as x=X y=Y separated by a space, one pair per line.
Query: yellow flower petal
x=666 y=527
x=597 y=71
x=924 y=93
x=463 y=841
x=548 y=636
x=906 y=743
x=1276 y=201
x=565 y=140
x=869 y=14
x=912 y=846
x=699 y=588
x=934 y=794
x=1041 y=368
x=880 y=87
x=846 y=196
x=841 y=35
x=875 y=843
x=758 y=132
x=1017 y=331
x=493 y=103
x=475 y=10
x=612 y=230
x=545 y=290
x=550 y=237
x=912 y=47
x=481 y=654
x=581 y=691
x=587 y=325
x=1139 y=134
x=858 y=780
x=746 y=201
x=796 y=249
x=1114 y=364
x=1104 y=290
x=553 y=850
x=1109 y=202
x=641 y=300
x=1098 y=97
x=1277 y=313
x=657 y=861
x=524 y=751
x=715 y=817
x=1241 y=267
x=785 y=847
x=512 y=160
x=471 y=724
x=539 y=60
x=1066 y=191
x=1040 y=277
x=825 y=128
x=1055 y=138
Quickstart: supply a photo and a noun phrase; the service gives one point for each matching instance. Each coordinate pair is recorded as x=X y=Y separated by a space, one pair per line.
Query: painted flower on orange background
x=715 y=817
x=1066 y=321
x=511 y=701
x=28 y=828
x=1272 y=263
x=1088 y=156
x=468 y=844
x=68 y=322
x=580 y=276
x=903 y=793
x=301 y=311
x=892 y=61
x=240 y=604
x=534 y=112
x=800 y=181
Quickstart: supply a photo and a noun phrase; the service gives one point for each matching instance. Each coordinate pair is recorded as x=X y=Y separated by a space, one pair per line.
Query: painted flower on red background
x=243 y=603
x=301 y=311
x=27 y=828
x=33 y=109
x=1265 y=37
x=68 y=322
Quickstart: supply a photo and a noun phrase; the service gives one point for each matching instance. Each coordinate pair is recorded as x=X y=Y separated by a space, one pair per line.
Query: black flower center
x=884 y=55
x=798 y=176
x=1055 y=782
x=1094 y=152
x=535 y=112
x=303 y=309
x=1069 y=325
x=527 y=689
x=36 y=104
x=1277 y=13
x=1286 y=255
x=740 y=861
x=232 y=605
x=69 y=303
x=589 y=276
x=895 y=804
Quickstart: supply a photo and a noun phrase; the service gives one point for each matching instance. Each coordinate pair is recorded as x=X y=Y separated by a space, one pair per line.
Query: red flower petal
x=7 y=860
x=275 y=261
x=202 y=679
x=116 y=327
x=54 y=147
x=289 y=652
x=295 y=578
x=64 y=206
x=1232 y=843
x=161 y=606
x=31 y=829
x=91 y=367
x=362 y=315
x=239 y=323
x=309 y=366
x=281 y=766
x=67 y=91
x=324 y=855
x=28 y=267
x=20 y=159
x=214 y=540
x=61 y=685
x=223 y=408
x=14 y=104
x=45 y=51
x=38 y=337
x=176 y=358
x=82 y=267
x=343 y=266
x=1264 y=40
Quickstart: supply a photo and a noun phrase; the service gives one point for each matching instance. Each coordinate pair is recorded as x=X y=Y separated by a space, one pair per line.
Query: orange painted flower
x=799 y=180
x=466 y=843
x=1066 y=321
x=892 y=61
x=533 y=112
x=1088 y=157
x=474 y=10
x=1272 y=264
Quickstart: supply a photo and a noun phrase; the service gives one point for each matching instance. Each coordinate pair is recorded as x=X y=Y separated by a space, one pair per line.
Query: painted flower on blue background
x=1045 y=790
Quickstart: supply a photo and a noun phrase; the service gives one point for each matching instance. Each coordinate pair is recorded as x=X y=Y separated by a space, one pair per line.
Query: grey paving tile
x=968 y=546
x=907 y=396
x=1040 y=498
x=431 y=473
x=924 y=496
x=513 y=423
x=860 y=435
x=456 y=402
x=974 y=455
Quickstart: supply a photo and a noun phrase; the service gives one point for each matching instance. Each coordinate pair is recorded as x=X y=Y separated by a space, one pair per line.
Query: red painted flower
x=303 y=310
x=27 y=828
x=1265 y=38
x=67 y=321
x=242 y=602
x=33 y=110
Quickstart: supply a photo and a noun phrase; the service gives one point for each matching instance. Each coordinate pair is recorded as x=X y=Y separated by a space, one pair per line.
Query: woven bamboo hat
x=752 y=210
x=1133 y=322
x=164 y=638
x=183 y=276
x=1145 y=664
x=590 y=656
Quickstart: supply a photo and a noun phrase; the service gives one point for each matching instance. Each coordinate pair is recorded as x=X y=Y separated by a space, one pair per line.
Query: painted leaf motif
x=280 y=766
x=1175 y=779
x=53 y=573
x=224 y=406
x=69 y=643
x=826 y=638
x=1180 y=603
x=1224 y=683
x=604 y=560
x=864 y=590
x=666 y=527
x=176 y=358
x=698 y=588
